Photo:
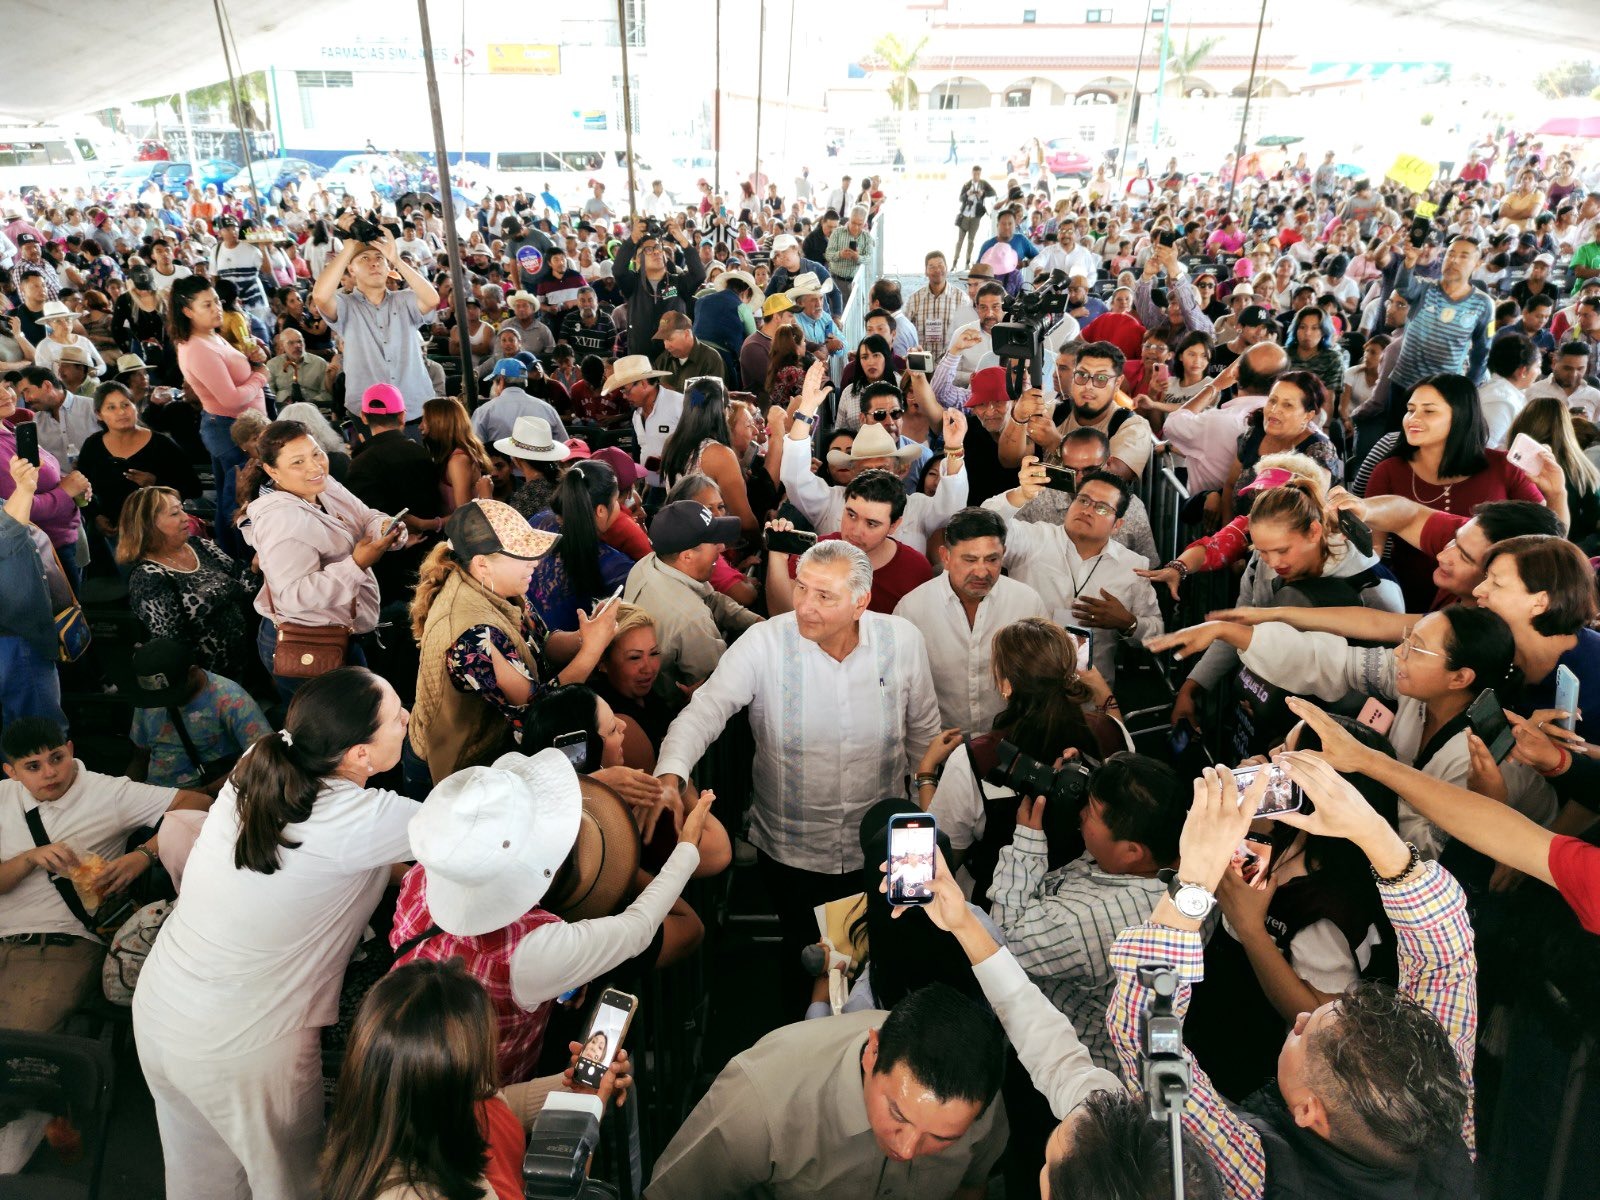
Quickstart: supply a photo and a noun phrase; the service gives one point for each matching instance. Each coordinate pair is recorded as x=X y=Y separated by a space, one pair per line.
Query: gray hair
x=826 y=554
x=309 y=415
x=690 y=487
x=858 y=211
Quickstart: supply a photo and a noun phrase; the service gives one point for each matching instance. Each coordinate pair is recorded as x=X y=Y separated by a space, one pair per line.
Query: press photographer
x=656 y=285
x=379 y=326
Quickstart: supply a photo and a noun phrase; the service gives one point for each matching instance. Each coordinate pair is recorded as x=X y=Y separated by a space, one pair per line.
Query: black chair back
x=64 y=1076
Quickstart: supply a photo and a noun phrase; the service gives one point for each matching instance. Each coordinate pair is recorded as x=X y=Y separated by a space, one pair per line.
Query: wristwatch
x=1192 y=900
x=801 y=415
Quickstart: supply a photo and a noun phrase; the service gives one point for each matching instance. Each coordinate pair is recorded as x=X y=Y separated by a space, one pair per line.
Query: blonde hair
x=1546 y=420
x=435 y=569
x=136 y=526
x=629 y=618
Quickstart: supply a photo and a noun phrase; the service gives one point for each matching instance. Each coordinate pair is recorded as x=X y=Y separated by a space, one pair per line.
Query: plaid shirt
x=487 y=959
x=1437 y=969
x=1060 y=926
x=944 y=311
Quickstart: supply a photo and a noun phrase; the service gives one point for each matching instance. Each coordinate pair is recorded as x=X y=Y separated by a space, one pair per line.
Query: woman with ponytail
x=1297 y=557
x=583 y=570
x=1429 y=680
x=485 y=654
x=281 y=881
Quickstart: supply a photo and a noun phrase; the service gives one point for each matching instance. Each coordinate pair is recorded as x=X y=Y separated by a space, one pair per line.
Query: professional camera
x=562 y=1139
x=1066 y=786
x=1019 y=339
x=654 y=228
x=365 y=228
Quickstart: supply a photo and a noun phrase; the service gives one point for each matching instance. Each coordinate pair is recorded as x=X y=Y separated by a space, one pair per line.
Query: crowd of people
x=439 y=713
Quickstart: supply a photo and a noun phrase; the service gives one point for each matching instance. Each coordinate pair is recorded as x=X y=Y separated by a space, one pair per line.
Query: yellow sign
x=518 y=58
x=1426 y=208
x=1412 y=173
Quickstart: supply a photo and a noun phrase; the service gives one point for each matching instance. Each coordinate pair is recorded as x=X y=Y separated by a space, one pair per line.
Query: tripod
x=1168 y=1078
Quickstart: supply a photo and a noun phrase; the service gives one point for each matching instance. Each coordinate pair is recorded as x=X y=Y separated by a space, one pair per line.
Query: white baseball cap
x=492 y=838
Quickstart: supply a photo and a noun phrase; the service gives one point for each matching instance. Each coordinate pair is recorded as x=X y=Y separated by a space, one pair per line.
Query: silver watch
x=1192 y=900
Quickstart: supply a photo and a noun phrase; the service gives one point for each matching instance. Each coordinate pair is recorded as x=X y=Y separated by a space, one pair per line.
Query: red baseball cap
x=988 y=386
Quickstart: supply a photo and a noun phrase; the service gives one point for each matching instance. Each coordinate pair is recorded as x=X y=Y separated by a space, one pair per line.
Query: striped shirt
x=938 y=317
x=1437 y=969
x=1061 y=925
x=1442 y=334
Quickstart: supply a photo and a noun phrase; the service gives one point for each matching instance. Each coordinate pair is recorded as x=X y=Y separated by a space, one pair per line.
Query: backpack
x=129 y=948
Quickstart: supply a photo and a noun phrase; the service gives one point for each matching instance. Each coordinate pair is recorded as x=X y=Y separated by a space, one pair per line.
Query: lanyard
x=1077 y=590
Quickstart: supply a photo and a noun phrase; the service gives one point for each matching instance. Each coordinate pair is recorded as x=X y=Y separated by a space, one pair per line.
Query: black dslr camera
x=1019 y=338
x=1062 y=787
x=365 y=228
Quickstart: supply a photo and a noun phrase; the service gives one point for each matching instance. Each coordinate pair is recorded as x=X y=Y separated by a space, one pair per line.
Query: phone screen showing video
x=1282 y=795
x=912 y=850
x=604 y=1039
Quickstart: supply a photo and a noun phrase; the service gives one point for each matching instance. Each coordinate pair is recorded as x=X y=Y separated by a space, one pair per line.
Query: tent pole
x=761 y=75
x=1133 y=102
x=447 y=201
x=1244 y=119
x=716 y=112
x=627 y=112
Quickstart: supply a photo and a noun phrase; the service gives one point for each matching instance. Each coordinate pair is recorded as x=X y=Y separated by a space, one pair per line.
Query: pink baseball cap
x=383 y=398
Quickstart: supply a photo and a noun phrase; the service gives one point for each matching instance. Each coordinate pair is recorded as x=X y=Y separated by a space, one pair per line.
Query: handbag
x=307 y=651
x=72 y=627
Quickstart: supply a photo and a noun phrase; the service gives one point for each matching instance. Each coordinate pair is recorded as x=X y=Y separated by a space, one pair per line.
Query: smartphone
x=607 y=1029
x=1160 y=373
x=913 y=857
x=1282 y=794
x=919 y=361
x=1254 y=856
x=1567 y=697
x=607 y=602
x=1524 y=453
x=1060 y=479
x=28 y=442
x=1375 y=716
x=1421 y=229
x=1085 y=644
x=575 y=746
x=1488 y=721
x=394 y=522
x=1357 y=532
x=1167 y=237
x=790 y=541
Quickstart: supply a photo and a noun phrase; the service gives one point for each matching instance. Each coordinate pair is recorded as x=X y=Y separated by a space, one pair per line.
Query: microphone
x=814 y=959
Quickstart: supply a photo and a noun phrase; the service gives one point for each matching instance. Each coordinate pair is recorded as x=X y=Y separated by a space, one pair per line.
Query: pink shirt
x=224 y=379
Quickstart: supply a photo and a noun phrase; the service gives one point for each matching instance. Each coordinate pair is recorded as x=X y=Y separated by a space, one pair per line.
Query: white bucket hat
x=492 y=840
x=531 y=438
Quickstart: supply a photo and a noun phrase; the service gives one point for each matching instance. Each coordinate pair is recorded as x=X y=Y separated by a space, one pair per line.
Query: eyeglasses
x=1099 y=379
x=883 y=414
x=1098 y=507
x=1409 y=646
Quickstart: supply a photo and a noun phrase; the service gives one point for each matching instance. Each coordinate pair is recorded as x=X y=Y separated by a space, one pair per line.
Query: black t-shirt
x=986 y=476
x=391 y=472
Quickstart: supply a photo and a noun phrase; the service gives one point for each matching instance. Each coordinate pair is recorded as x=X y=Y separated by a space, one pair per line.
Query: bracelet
x=1181 y=567
x=148 y=853
x=1561 y=767
x=1411 y=865
x=956 y=453
x=1013 y=419
x=924 y=780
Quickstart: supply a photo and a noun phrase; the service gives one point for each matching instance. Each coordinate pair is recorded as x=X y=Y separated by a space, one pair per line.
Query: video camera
x=1065 y=788
x=1019 y=339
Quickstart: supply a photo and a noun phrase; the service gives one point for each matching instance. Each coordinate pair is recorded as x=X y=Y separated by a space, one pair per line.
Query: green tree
x=901 y=61
x=252 y=91
x=1569 y=78
x=1184 y=63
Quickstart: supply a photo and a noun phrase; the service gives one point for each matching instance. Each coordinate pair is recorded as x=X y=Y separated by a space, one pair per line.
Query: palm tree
x=1183 y=63
x=901 y=60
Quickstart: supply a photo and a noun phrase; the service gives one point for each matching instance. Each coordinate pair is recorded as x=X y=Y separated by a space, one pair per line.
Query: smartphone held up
x=607 y=1028
x=913 y=857
x=1282 y=794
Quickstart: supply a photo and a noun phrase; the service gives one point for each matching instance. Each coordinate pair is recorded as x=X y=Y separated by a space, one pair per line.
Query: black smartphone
x=1167 y=237
x=852 y=243
x=575 y=746
x=1060 y=479
x=28 y=442
x=1356 y=531
x=607 y=1029
x=1421 y=229
x=913 y=857
x=1488 y=721
x=1084 y=636
x=790 y=541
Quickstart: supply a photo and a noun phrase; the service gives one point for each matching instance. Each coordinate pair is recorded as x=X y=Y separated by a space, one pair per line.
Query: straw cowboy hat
x=807 y=284
x=744 y=277
x=873 y=441
x=630 y=369
x=531 y=438
x=54 y=310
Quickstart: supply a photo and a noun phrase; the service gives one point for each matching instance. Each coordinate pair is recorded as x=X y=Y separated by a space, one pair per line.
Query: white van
x=46 y=158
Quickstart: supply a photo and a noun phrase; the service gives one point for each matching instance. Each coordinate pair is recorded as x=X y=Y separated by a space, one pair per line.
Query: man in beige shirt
x=294 y=365
x=840 y=1108
x=693 y=623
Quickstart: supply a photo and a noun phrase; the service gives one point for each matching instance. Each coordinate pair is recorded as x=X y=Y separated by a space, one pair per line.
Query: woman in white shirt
x=1430 y=678
x=231 y=1003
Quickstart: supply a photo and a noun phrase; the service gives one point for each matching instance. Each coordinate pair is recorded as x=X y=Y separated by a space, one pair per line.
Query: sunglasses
x=882 y=414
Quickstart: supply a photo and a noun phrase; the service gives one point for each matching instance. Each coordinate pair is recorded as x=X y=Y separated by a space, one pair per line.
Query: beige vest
x=451 y=729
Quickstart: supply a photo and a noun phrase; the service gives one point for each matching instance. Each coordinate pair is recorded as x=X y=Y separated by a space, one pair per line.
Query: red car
x=1065 y=161
x=151 y=151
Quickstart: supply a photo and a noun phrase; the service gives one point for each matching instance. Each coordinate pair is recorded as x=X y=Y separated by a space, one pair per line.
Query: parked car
x=1065 y=160
x=271 y=175
x=150 y=150
x=362 y=174
x=174 y=176
x=126 y=182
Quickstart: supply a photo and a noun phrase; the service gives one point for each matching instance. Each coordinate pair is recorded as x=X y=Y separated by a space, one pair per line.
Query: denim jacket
x=24 y=597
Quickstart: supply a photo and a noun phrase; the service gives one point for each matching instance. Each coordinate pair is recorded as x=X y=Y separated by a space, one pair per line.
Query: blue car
x=271 y=175
x=174 y=176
